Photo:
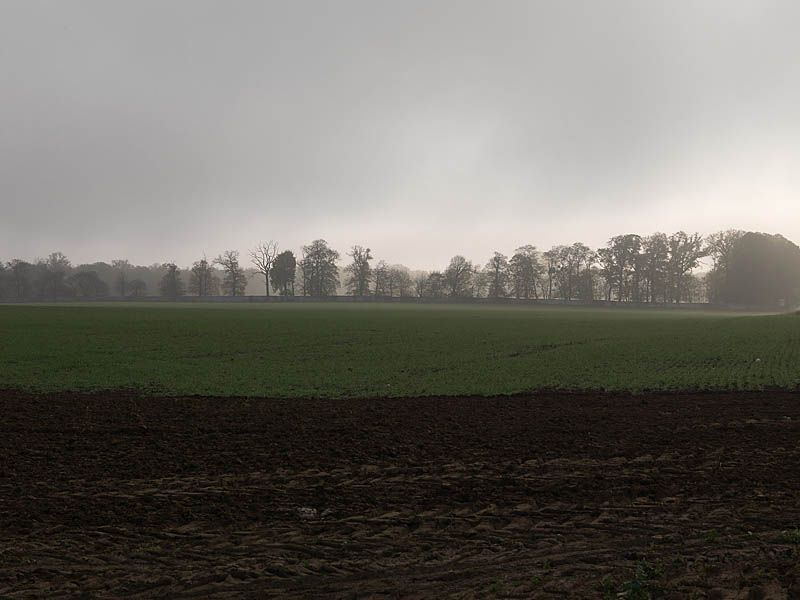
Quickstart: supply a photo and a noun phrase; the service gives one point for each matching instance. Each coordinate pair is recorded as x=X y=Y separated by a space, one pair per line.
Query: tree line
x=745 y=268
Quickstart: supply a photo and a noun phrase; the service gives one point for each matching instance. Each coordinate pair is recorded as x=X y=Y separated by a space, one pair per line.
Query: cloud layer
x=162 y=130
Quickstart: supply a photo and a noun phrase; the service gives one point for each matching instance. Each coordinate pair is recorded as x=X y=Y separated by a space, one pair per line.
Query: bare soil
x=549 y=496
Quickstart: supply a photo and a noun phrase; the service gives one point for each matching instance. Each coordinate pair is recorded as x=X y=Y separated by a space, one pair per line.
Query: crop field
x=377 y=350
x=351 y=451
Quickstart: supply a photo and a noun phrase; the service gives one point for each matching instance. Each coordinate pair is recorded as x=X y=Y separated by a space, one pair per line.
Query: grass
x=325 y=350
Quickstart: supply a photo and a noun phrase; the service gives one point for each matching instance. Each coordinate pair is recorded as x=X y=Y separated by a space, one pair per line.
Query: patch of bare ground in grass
x=550 y=496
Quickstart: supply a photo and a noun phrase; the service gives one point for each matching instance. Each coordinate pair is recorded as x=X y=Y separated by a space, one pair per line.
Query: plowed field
x=549 y=496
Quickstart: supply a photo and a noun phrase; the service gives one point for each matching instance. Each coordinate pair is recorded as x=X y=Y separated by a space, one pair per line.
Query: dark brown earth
x=553 y=496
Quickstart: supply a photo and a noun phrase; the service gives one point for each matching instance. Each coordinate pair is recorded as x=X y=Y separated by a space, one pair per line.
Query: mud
x=551 y=496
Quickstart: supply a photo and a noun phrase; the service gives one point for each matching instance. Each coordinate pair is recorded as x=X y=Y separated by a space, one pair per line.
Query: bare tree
x=263 y=257
x=202 y=279
x=435 y=285
x=137 y=287
x=655 y=254
x=381 y=278
x=234 y=278
x=171 y=284
x=479 y=283
x=497 y=271
x=685 y=252
x=620 y=265
x=576 y=274
x=458 y=277
x=121 y=266
x=420 y=284
x=87 y=284
x=359 y=272
x=524 y=271
x=720 y=244
x=55 y=271
x=401 y=280
x=21 y=278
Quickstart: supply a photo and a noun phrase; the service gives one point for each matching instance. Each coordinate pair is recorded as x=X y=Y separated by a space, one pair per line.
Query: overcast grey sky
x=162 y=130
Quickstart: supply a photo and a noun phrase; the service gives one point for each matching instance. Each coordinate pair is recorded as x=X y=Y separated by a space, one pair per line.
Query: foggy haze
x=159 y=131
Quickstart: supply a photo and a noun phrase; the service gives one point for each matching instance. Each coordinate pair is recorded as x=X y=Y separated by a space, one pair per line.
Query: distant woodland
x=728 y=267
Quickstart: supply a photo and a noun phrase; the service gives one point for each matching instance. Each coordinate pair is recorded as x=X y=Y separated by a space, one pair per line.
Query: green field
x=325 y=350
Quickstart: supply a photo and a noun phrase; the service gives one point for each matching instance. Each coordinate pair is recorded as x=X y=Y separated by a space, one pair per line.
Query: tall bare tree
x=458 y=277
x=21 y=278
x=122 y=267
x=234 y=278
x=55 y=271
x=619 y=261
x=359 y=272
x=576 y=272
x=401 y=280
x=497 y=270
x=263 y=257
x=655 y=254
x=420 y=284
x=171 y=284
x=685 y=252
x=435 y=285
x=381 y=277
x=203 y=281
x=525 y=272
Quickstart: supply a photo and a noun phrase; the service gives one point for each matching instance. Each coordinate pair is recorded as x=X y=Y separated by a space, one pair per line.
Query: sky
x=164 y=130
